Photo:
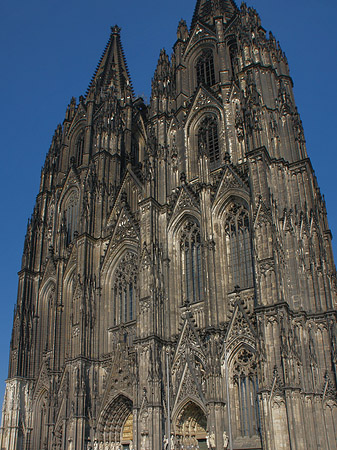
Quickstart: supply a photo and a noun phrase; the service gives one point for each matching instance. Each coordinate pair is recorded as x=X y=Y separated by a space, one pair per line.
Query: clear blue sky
x=49 y=50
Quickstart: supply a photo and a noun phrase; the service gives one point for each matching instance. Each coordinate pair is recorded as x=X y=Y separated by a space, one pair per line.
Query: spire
x=205 y=10
x=112 y=71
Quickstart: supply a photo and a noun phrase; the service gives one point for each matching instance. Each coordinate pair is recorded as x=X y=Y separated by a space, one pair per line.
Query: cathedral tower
x=178 y=287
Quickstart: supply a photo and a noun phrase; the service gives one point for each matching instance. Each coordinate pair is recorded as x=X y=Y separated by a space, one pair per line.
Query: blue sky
x=49 y=51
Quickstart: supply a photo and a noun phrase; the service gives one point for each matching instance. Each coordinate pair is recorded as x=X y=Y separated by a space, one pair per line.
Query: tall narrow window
x=190 y=244
x=208 y=140
x=239 y=255
x=79 y=149
x=124 y=289
x=205 y=69
x=245 y=393
x=71 y=215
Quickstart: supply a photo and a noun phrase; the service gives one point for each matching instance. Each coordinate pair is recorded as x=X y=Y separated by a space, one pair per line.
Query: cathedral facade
x=178 y=288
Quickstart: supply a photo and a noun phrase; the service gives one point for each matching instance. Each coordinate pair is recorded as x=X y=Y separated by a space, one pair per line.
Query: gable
x=200 y=33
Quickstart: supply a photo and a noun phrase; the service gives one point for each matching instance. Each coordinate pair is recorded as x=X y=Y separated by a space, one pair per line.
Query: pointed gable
x=188 y=340
x=203 y=99
x=186 y=200
x=73 y=179
x=240 y=329
x=200 y=32
x=130 y=183
x=231 y=182
x=189 y=364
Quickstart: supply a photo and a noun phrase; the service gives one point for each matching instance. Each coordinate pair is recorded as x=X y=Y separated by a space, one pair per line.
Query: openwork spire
x=112 y=71
x=205 y=10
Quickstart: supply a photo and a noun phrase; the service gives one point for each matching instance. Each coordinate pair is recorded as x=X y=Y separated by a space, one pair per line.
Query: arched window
x=79 y=149
x=245 y=393
x=238 y=246
x=208 y=140
x=205 y=69
x=47 y=319
x=124 y=290
x=71 y=215
x=190 y=247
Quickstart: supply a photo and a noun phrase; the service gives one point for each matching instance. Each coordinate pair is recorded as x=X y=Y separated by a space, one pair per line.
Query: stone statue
x=95 y=444
x=131 y=445
x=225 y=440
x=210 y=440
x=173 y=444
x=165 y=442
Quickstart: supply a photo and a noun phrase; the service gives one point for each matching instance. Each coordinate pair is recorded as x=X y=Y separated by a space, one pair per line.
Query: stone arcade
x=178 y=288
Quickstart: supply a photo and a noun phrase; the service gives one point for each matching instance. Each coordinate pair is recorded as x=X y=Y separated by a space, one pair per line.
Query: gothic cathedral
x=178 y=288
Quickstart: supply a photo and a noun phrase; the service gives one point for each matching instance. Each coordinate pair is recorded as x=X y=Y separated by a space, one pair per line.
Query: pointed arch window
x=208 y=140
x=245 y=384
x=124 y=290
x=80 y=149
x=47 y=318
x=71 y=215
x=205 y=69
x=191 y=262
x=238 y=246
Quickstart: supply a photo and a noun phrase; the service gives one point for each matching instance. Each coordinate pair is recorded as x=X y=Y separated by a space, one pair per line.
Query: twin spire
x=112 y=71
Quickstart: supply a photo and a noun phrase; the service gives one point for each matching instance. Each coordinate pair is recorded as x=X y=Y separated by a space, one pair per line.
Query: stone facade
x=178 y=288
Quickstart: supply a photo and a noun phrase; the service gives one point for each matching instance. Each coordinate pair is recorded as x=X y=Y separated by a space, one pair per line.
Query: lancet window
x=238 y=246
x=245 y=393
x=205 y=69
x=80 y=149
x=190 y=246
x=71 y=215
x=208 y=140
x=124 y=289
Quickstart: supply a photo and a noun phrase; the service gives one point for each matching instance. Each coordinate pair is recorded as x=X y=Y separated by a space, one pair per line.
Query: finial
x=115 y=29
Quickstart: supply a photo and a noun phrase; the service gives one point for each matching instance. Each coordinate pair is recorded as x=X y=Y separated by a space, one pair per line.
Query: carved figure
x=225 y=440
x=210 y=440
x=173 y=443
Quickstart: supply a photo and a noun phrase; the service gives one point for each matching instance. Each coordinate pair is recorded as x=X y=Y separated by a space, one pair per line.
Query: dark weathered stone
x=178 y=258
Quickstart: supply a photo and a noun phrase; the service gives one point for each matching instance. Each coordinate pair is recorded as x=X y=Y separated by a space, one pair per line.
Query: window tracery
x=205 y=69
x=124 y=289
x=244 y=375
x=238 y=246
x=208 y=140
x=190 y=246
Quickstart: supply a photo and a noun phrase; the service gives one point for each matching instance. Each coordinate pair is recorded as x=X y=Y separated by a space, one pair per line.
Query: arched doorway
x=190 y=428
x=116 y=424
